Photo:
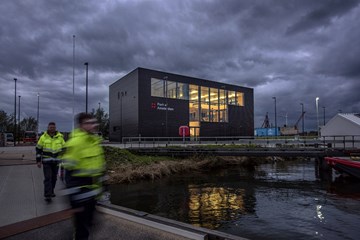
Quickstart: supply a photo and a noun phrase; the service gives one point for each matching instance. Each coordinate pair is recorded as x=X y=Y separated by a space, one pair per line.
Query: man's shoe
x=53 y=195
x=48 y=199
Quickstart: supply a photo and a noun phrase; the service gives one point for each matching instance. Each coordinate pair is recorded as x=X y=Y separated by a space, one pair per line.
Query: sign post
x=184 y=131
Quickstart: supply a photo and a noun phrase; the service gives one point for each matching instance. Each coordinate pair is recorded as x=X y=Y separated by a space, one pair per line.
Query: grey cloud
x=322 y=15
x=294 y=50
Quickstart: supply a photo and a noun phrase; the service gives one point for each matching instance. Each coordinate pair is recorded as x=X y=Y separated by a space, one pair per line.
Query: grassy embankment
x=125 y=167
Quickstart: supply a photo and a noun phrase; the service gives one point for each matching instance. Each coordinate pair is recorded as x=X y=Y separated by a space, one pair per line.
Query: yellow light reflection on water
x=211 y=205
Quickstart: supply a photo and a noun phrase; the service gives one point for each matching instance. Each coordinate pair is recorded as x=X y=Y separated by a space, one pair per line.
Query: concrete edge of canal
x=164 y=224
x=23 y=228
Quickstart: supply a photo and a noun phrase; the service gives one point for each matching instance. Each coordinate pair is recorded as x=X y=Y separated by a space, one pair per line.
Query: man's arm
x=39 y=151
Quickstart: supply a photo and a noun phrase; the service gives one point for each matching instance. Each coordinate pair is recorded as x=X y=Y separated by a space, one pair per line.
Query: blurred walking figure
x=84 y=170
x=48 y=148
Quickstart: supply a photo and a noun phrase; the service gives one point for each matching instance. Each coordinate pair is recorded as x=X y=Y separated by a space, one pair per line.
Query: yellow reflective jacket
x=83 y=155
x=49 y=148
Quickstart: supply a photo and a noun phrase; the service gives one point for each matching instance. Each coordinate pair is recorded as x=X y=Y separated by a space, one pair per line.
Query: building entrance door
x=194 y=133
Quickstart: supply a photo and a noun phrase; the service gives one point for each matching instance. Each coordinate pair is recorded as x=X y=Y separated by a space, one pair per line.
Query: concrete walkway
x=26 y=215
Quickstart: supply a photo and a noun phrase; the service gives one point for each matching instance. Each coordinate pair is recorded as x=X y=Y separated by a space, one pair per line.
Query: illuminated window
x=214 y=112
x=222 y=96
x=214 y=105
x=204 y=94
x=239 y=98
x=223 y=116
x=194 y=111
x=157 y=87
x=205 y=112
x=194 y=92
x=231 y=98
x=205 y=106
x=222 y=106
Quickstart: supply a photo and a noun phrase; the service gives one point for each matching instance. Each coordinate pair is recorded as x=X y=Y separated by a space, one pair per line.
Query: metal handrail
x=344 y=142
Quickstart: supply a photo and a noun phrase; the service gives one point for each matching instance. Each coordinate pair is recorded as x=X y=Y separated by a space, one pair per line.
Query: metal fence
x=343 y=142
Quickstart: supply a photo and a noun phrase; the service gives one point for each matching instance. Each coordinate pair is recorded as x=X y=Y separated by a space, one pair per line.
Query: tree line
x=7 y=123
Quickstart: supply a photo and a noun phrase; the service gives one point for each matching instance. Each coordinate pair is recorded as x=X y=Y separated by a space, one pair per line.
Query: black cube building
x=150 y=103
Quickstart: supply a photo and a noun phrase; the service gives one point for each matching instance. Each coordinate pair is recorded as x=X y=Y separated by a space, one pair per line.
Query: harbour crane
x=292 y=130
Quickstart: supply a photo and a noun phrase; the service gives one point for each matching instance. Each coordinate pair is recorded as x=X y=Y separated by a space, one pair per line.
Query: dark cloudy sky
x=289 y=49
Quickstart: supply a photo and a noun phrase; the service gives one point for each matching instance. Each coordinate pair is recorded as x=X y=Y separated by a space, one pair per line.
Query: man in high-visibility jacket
x=84 y=164
x=48 y=148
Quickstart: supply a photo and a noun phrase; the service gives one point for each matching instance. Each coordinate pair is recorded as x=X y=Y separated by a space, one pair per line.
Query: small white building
x=343 y=124
x=343 y=127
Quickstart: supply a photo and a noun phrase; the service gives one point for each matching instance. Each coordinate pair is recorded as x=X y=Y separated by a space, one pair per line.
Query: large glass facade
x=205 y=104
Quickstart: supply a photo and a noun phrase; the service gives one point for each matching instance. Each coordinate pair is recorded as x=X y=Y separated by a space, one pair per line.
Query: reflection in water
x=318 y=212
x=276 y=201
x=210 y=205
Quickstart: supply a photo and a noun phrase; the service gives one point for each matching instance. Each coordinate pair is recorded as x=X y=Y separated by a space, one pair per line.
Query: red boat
x=347 y=166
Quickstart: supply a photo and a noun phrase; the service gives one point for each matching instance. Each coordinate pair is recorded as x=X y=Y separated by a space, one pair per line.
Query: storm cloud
x=288 y=49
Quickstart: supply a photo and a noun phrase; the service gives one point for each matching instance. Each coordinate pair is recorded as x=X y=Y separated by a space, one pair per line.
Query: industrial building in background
x=150 y=103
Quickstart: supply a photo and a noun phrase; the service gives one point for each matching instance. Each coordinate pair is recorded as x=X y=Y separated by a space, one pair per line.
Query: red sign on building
x=184 y=131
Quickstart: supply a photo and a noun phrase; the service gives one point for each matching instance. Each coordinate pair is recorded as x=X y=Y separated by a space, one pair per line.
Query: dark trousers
x=50 y=177
x=83 y=219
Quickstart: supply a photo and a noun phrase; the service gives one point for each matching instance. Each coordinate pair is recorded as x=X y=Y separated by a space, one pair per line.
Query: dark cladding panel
x=123 y=107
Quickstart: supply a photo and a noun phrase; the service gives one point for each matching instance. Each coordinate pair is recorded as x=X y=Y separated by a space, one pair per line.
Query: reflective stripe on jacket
x=49 y=148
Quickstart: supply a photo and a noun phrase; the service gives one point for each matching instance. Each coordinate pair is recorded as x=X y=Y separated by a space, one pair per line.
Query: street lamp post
x=324 y=115
x=275 y=118
x=37 y=115
x=15 y=128
x=86 y=102
x=317 y=114
x=73 y=90
x=302 y=120
x=19 y=120
x=19 y=110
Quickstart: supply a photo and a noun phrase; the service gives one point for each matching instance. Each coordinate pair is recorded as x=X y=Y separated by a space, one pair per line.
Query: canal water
x=280 y=200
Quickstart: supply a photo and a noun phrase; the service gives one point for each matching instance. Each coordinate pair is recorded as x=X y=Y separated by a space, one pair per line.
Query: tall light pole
x=275 y=117
x=73 y=90
x=19 y=120
x=99 y=106
x=19 y=110
x=86 y=102
x=15 y=128
x=37 y=115
x=302 y=115
x=166 y=110
x=324 y=115
x=317 y=114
